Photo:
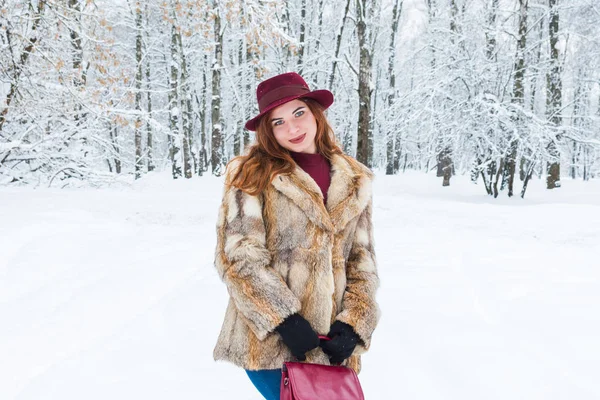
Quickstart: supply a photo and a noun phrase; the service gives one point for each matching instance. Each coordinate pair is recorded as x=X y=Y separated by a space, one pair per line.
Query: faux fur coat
x=284 y=251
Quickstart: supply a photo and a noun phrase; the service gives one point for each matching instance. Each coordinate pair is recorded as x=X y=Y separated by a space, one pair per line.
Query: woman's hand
x=342 y=343
x=298 y=335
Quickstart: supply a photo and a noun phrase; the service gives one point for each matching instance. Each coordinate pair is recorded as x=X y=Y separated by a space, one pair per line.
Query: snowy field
x=111 y=294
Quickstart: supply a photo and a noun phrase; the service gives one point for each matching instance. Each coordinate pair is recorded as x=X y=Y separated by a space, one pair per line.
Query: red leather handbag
x=303 y=381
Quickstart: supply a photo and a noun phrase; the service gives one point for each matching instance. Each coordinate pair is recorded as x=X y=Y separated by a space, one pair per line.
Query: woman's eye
x=279 y=122
x=299 y=113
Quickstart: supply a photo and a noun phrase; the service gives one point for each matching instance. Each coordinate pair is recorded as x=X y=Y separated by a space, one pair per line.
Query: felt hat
x=282 y=88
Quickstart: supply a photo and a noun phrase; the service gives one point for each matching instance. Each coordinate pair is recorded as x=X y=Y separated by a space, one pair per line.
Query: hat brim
x=322 y=96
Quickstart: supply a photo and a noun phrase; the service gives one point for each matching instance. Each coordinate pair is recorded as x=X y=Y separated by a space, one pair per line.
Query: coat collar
x=348 y=195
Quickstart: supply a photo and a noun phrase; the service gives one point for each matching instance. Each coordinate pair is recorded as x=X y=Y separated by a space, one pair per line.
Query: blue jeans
x=267 y=381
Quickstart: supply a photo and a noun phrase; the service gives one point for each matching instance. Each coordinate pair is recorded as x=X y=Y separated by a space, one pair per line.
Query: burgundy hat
x=280 y=89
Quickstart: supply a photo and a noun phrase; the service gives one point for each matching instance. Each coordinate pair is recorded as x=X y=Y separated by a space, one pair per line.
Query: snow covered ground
x=111 y=294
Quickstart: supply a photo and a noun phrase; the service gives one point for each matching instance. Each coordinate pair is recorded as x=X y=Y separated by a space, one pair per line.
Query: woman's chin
x=303 y=148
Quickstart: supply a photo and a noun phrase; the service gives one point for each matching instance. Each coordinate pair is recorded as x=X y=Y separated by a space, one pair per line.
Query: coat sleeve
x=359 y=306
x=243 y=263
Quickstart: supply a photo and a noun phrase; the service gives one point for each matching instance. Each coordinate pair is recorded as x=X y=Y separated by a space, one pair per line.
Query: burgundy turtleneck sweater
x=318 y=167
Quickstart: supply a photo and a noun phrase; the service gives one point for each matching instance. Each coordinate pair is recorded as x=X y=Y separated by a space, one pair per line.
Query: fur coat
x=284 y=251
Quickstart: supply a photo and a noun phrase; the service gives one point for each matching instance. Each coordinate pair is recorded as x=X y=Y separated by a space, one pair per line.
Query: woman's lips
x=299 y=139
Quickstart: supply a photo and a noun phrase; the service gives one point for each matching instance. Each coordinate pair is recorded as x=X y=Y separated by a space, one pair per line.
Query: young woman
x=295 y=242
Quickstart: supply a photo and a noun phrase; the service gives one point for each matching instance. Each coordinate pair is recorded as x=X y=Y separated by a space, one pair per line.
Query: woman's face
x=294 y=127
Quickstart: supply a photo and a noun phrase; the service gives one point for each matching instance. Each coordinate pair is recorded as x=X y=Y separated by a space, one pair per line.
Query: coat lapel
x=303 y=191
x=349 y=193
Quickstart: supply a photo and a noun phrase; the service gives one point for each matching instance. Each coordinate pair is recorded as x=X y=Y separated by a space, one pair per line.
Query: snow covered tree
x=100 y=90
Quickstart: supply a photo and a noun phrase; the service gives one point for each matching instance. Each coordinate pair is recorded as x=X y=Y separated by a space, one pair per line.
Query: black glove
x=298 y=335
x=342 y=343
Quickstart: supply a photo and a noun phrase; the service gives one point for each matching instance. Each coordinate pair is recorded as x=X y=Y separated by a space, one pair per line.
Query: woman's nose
x=292 y=127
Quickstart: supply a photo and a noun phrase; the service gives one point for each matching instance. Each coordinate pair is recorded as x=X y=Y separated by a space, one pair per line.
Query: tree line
x=504 y=90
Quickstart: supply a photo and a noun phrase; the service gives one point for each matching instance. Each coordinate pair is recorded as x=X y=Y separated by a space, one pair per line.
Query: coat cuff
x=363 y=323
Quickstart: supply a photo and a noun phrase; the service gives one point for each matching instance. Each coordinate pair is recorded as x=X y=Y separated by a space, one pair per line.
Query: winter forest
x=479 y=118
x=501 y=90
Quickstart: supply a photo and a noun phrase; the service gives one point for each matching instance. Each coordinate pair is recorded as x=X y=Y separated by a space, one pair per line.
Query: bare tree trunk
x=486 y=183
x=217 y=129
x=338 y=44
x=574 y=160
x=288 y=31
x=398 y=145
x=319 y=11
x=20 y=64
x=453 y=17
x=203 y=156
x=393 y=136
x=374 y=125
x=554 y=99
x=114 y=134
x=444 y=166
x=174 y=108
x=528 y=176
x=491 y=38
x=138 y=90
x=524 y=163
x=518 y=94
x=184 y=93
x=586 y=157
x=579 y=110
x=432 y=9
x=78 y=77
x=237 y=139
x=398 y=151
x=149 y=139
x=249 y=95
x=497 y=177
x=302 y=36
x=364 y=13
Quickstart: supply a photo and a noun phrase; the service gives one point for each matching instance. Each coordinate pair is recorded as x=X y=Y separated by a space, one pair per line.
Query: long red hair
x=266 y=159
